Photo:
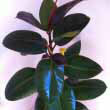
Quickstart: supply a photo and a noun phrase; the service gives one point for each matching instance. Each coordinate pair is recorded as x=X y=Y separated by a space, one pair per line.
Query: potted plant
x=61 y=79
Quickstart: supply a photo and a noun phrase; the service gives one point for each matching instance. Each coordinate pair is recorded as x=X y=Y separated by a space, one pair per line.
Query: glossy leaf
x=69 y=28
x=45 y=12
x=49 y=79
x=88 y=89
x=40 y=104
x=21 y=84
x=80 y=106
x=80 y=67
x=62 y=11
x=26 y=42
x=53 y=105
x=73 y=49
x=66 y=36
x=68 y=99
x=69 y=34
x=29 y=18
x=59 y=59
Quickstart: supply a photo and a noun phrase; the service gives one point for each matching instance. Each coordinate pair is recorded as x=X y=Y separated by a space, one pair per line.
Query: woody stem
x=50 y=48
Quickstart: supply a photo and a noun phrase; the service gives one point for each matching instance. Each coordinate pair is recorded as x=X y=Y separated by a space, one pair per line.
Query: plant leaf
x=88 y=89
x=80 y=67
x=69 y=28
x=68 y=99
x=29 y=18
x=73 y=49
x=62 y=10
x=80 y=106
x=59 y=59
x=66 y=36
x=45 y=12
x=21 y=84
x=41 y=105
x=25 y=41
x=49 y=79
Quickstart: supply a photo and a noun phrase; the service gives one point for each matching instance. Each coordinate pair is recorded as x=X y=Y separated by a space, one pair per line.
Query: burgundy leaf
x=28 y=17
x=62 y=10
x=59 y=59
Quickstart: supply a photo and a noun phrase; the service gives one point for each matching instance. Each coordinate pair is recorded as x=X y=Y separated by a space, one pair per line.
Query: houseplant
x=47 y=78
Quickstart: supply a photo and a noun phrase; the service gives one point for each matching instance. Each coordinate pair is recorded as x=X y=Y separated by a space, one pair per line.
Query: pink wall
x=95 y=45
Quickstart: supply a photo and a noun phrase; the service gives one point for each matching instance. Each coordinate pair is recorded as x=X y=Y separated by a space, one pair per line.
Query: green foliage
x=68 y=99
x=45 y=12
x=21 y=84
x=53 y=105
x=80 y=67
x=73 y=50
x=54 y=92
x=87 y=89
x=80 y=106
x=27 y=42
x=49 y=79
x=67 y=25
x=62 y=11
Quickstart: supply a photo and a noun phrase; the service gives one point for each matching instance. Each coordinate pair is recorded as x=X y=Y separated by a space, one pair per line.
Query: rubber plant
x=61 y=79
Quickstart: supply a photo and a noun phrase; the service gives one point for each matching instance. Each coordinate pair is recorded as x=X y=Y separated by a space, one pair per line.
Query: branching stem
x=50 y=48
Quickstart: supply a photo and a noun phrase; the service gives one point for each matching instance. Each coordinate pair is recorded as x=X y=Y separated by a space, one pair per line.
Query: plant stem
x=54 y=46
x=50 y=40
x=50 y=48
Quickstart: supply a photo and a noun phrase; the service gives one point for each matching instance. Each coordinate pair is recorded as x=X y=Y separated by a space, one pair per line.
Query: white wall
x=95 y=45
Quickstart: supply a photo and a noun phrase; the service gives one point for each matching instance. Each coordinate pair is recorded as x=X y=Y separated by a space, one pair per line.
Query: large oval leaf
x=25 y=41
x=49 y=79
x=29 y=18
x=69 y=28
x=88 y=89
x=80 y=106
x=21 y=84
x=45 y=12
x=42 y=105
x=68 y=99
x=62 y=11
x=80 y=67
x=73 y=49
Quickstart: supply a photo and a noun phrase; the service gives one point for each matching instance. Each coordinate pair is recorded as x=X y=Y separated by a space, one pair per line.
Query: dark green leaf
x=29 y=18
x=62 y=11
x=88 y=89
x=80 y=106
x=80 y=67
x=59 y=59
x=53 y=105
x=69 y=28
x=26 y=42
x=68 y=99
x=40 y=104
x=49 y=79
x=73 y=49
x=45 y=12
x=21 y=84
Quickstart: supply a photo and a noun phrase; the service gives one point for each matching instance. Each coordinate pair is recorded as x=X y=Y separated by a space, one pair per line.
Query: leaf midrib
x=82 y=69
x=24 y=82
